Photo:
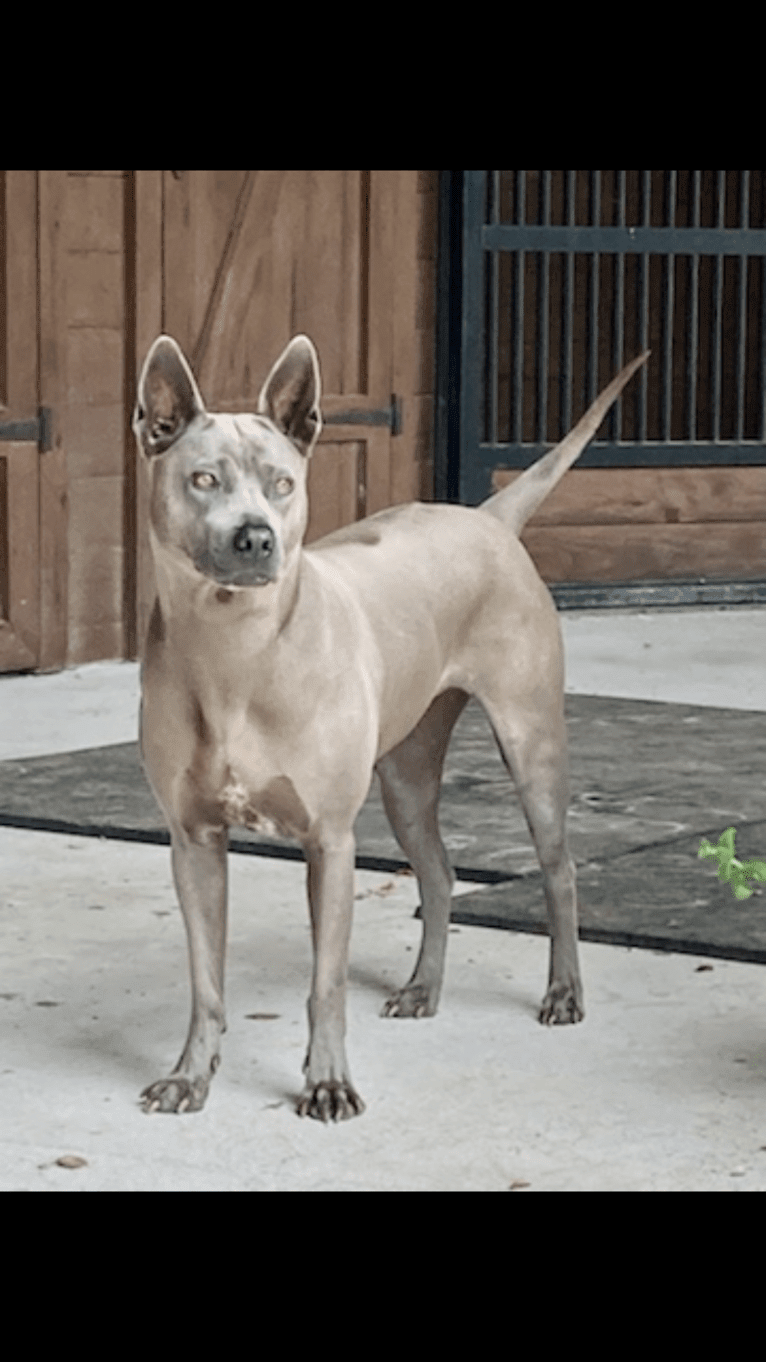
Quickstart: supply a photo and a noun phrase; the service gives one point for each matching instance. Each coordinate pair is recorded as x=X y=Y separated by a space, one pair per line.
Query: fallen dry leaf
x=388 y=887
x=700 y=968
x=71 y=1161
x=517 y=1184
x=262 y=1016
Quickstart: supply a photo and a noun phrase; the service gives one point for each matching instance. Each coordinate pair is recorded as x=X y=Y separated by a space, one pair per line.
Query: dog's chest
x=275 y=810
x=271 y=807
x=238 y=774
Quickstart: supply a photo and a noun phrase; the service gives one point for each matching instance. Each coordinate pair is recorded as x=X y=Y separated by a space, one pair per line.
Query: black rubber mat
x=648 y=781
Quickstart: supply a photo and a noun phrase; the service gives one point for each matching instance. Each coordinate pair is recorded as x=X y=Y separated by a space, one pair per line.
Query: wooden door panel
x=19 y=556
x=290 y=260
x=199 y=212
x=252 y=258
x=19 y=473
x=234 y=263
x=335 y=472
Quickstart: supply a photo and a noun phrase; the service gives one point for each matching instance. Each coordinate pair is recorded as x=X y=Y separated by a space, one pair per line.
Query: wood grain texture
x=19 y=484
x=616 y=496
x=20 y=629
x=624 y=524
x=603 y=553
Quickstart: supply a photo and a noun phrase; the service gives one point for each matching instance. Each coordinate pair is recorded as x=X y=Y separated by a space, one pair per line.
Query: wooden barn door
x=19 y=424
x=234 y=263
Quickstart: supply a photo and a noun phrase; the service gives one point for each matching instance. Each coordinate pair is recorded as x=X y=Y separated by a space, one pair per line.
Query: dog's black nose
x=255 y=541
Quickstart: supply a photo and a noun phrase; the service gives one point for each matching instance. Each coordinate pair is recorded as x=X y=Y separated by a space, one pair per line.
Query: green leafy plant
x=729 y=868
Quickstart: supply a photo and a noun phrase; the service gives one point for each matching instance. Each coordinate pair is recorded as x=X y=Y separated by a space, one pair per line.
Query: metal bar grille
x=646 y=192
x=565 y=396
x=506 y=236
x=619 y=294
x=518 y=362
x=691 y=365
x=667 y=315
x=568 y=274
x=492 y=283
x=543 y=295
x=717 y=312
x=594 y=289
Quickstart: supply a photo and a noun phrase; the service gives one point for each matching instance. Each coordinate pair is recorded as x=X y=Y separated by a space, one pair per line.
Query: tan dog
x=276 y=678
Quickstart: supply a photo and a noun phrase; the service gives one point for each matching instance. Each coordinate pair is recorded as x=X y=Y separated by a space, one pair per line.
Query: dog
x=277 y=677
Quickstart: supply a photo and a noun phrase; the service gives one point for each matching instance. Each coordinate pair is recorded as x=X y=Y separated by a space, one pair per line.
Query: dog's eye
x=283 y=485
x=204 y=480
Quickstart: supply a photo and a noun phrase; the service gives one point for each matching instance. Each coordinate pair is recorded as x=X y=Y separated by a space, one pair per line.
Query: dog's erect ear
x=290 y=396
x=168 y=398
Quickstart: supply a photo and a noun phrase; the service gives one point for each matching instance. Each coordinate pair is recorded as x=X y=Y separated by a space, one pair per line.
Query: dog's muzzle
x=253 y=543
x=249 y=557
x=253 y=554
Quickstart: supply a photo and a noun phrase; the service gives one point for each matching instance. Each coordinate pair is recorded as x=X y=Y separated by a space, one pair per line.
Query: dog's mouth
x=225 y=575
x=241 y=579
x=248 y=556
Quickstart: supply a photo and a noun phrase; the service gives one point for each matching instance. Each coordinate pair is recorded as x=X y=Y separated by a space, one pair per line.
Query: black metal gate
x=567 y=274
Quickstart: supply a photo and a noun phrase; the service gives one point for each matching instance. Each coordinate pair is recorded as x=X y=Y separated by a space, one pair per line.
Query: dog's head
x=229 y=491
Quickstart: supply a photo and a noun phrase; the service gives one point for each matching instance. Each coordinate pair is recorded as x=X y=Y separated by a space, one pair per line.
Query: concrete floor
x=662 y=1088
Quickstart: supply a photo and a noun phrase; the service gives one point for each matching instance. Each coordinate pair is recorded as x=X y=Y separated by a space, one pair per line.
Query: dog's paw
x=175 y=1094
x=414 y=1000
x=330 y=1101
x=562 y=1005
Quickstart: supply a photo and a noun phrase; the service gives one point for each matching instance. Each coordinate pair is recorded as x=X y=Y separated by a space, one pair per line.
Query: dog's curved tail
x=517 y=502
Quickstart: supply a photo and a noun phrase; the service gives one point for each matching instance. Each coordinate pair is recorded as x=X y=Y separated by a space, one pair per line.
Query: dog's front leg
x=329 y=1093
x=199 y=871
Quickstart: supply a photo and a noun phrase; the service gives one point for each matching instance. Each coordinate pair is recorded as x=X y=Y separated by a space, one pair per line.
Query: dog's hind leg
x=532 y=742
x=410 y=777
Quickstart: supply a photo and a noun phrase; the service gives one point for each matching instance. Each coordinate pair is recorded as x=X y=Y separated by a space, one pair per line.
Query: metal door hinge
x=391 y=416
x=38 y=428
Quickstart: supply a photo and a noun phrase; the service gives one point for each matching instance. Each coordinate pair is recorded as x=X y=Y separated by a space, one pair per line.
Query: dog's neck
x=238 y=652
x=204 y=616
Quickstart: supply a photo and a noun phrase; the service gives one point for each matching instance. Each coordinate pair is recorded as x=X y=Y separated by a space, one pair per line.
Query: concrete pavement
x=663 y=1087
